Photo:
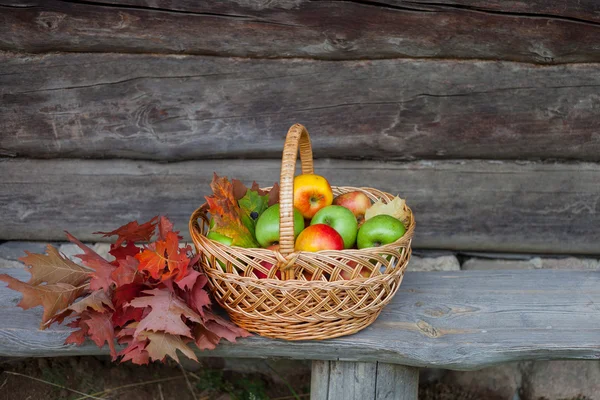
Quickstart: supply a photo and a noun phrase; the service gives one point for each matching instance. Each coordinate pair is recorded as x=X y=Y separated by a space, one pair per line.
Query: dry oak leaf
x=54 y=268
x=100 y=329
x=133 y=232
x=102 y=269
x=163 y=344
x=395 y=208
x=126 y=272
x=166 y=314
x=97 y=301
x=163 y=259
x=53 y=297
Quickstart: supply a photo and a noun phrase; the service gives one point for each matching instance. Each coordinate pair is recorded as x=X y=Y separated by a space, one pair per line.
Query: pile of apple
x=322 y=222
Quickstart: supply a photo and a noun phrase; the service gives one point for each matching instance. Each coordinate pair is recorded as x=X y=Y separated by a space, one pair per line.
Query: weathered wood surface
x=469 y=205
x=455 y=320
x=188 y=107
x=542 y=31
x=344 y=380
x=396 y=382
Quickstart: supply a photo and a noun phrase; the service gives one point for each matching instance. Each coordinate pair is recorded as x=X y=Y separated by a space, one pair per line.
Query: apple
x=341 y=219
x=379 y=230
x=267 y=226
x=319 y=237
x=356 y=201
x=226 y=240
x=267 y=265
x=311 y=193
x=364 y=272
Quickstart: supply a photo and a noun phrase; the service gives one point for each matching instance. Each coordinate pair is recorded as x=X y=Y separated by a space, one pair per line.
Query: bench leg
x=342 y=380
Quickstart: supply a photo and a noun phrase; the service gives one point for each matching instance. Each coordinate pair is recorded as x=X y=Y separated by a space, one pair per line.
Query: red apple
x=311 y=193
x=356 y=201
x=364 y=272
x=267 y=265
x=319 y=237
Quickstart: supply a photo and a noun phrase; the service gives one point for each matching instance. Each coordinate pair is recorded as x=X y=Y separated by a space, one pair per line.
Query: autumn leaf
x=54 y=268
x=53 y=297
x=224 y=328
x=126 y=272
x=167 y=313
x=100 y=329
x=96 y=301
x=253 y=205
x=101 y=278
x=163 y=344
x=135 y=351
x=274 y=194
x=121 y=252
x=163 y=259
x=227 y=214
x=188 y=281
x=395 y=208
x=133 y=232
x=165 y=226
x=198 y=298
x=77 y=337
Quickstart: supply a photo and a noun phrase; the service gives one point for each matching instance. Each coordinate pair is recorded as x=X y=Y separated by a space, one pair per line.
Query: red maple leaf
x=165 y=226
x=100 y=329
x=126 y=272
x=133 y=232
x=102 y=269
x=77 y=337
x=167 y=314
x=164 y=259
x=188 y=281
x=121 y=252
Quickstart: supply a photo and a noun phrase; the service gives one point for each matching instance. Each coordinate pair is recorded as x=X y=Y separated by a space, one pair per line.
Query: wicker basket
x=311 y=301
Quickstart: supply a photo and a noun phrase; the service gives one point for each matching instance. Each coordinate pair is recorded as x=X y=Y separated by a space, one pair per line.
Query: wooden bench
x=454 y=320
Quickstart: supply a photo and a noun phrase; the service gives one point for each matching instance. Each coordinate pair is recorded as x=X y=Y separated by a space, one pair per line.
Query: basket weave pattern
x=312 y=300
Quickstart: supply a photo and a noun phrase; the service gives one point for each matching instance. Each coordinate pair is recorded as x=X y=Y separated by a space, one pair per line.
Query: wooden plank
x=540 y=31
x=188 y=107
x=469 y=205
x=397 y=382
x=453 y=320
x=351 y=380
x=319 y=380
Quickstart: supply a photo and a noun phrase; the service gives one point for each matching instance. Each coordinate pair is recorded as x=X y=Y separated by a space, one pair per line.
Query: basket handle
x=297 y=139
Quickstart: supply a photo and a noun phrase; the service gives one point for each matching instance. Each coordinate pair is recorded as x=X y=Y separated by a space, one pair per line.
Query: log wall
x=483 y=114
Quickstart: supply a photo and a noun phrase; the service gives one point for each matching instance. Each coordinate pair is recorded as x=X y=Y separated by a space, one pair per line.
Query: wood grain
x=468 y=205
x=455 y=320
x=396 y=382
x=171 y=108
x=539 y=31
x=351 y=380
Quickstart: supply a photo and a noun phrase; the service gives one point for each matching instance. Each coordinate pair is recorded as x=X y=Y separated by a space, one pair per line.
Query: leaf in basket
x=253 y=204
x=395 y=208
x=53 y=297
x=166 y=314
x=133 y=232
x=238 y=188
x=274 y=194
x=227 y=214
x=163 y=259
x=161 y=344
x=101 y=277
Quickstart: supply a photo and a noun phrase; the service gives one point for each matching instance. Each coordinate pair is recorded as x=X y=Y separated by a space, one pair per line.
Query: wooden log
x=186 y=107
x=540 y=31
x=468 y=205
x=453 y=320
x=344 y=380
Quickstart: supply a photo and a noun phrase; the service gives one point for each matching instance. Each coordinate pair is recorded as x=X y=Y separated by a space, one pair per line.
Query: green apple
x=267 y=226
x=226 y=240
x=379 y=230
x=341 y=219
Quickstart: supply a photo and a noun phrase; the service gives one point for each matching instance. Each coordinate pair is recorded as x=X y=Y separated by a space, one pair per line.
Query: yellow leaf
x=396 y=208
